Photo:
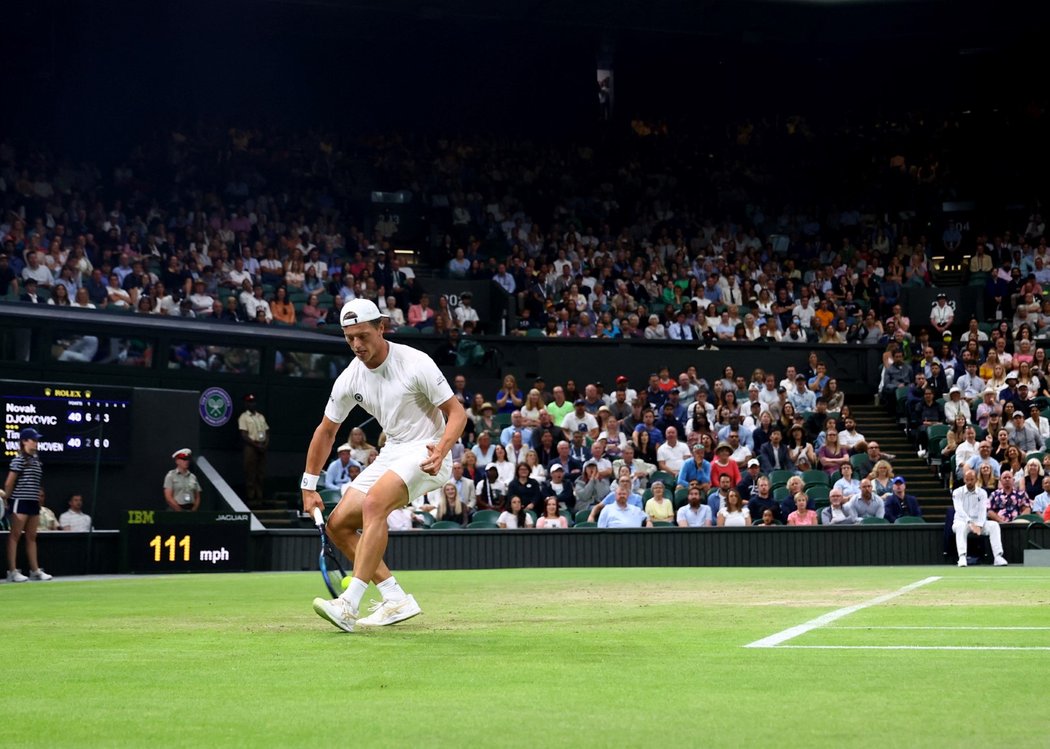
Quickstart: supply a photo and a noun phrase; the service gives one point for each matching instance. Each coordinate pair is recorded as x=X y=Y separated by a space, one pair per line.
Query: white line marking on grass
x=998 y=629
x=910 y=647
x=967 y=578
x=791 y=633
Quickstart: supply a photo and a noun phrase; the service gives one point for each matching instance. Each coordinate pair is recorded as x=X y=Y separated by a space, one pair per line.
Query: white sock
x=354 y=593
x=390 y=590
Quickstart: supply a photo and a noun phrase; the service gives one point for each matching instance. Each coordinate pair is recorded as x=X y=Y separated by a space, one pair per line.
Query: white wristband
x=309 y=482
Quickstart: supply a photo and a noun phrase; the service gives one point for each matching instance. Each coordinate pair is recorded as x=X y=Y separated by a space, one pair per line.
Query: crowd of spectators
x=760 y=449
x=706 y=234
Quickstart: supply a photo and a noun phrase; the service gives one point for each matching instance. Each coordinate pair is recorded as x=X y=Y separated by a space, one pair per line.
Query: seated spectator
x=694 y=513
x=281 y=309
x=773 y=455
x=490 y=491
x=524 y=486
x=1007 y=502
x=450 y=507
x=848 y=485
x=561 y=487
x=658 y=507
x=802 y=515
x=799 y=449
x=838 y=512
x=696 y=470
x=832 y=456
x=716 y=499
x=867 y=504
x=403 y=519
x=620 y=514
x=338 y=473
x=733 y=512
x=74 y=519
x=590 y=488
x=899 y=503
x=551 y=518
x=768 y=520
x=621 y=483
x=1042 y=501
x=672 y=453
x=972 y=515
x=762 y=500
x=749 y=479
x=1030 y=481
x=882 y=479
x=723 y=464
x=514 y=516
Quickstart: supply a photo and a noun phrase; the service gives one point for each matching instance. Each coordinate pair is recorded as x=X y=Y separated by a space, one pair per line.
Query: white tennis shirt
x=403 y=394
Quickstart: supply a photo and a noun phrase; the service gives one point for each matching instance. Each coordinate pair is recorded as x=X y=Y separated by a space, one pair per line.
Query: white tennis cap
x=357 y=311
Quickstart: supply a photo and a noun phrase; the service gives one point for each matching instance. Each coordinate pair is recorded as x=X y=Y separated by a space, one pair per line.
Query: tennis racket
x=331 y=568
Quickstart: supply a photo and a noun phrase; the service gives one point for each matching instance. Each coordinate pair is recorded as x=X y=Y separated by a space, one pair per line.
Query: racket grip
x=318 y=517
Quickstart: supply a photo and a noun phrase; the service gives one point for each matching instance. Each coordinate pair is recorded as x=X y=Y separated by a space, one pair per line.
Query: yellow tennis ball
x=345 y=583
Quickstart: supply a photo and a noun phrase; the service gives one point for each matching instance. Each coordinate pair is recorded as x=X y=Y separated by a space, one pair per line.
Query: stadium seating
x=874 y=521
x=445 y=525
x=909 y=520
x=486 y=516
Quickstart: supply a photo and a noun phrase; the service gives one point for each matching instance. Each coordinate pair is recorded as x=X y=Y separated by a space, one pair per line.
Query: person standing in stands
x=255 y=434
x=23 y=490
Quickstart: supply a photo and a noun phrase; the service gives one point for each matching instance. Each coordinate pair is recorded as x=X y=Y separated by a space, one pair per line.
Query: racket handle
x=318 y=517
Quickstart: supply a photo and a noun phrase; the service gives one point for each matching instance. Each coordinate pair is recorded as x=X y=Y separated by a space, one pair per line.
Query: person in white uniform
x=407 y=394
x=971 y=516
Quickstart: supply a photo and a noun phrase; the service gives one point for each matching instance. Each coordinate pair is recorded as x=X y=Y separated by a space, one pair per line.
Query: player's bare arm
x=455 y=421
x=320 y=446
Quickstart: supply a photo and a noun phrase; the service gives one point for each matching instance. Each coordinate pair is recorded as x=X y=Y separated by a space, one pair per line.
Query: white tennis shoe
x=40 y=575
x=1000 y=562
x=16 y=576
x=390 y=612
x=962 y=562
x=337 y=611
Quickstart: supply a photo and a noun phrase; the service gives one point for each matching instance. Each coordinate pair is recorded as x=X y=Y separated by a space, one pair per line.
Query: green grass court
x=596 y=657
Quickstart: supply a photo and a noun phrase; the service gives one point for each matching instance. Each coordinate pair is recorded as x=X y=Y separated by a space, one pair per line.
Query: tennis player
x=407 y=394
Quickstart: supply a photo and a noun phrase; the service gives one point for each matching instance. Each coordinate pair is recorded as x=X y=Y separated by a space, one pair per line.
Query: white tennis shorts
x=404 y=460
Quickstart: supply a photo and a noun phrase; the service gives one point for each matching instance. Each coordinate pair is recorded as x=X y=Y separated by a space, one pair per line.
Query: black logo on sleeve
x=358 y=397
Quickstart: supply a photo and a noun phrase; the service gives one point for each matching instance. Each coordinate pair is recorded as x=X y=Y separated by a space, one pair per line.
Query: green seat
x=485 y=516
x=1037 y=455
x=445 y=525
x=780 y=494
x=758 y=521
x=501 y=420
x=937 y=431
x=567 y=515
x=586 y=524
x=909 y=520
x=1031 y=517
x=482 y=525
x=779 y=478
x=663 y=524
x=582 y=515
x=874 y=521
x=818 y=478
x=818 y=493
x=669 y=479
x=532 y=515
x=426 y=518
x=406 y=330
x=681 y=494
x=647 y=495
x=857 y=461
x=535 y=333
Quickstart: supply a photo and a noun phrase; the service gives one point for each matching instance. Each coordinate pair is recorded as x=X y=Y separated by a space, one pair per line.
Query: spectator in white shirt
x=74 y=518
x=942 y=314
x=1038 y=421
x=672 y=453
x=955 y=406
x=971 y=516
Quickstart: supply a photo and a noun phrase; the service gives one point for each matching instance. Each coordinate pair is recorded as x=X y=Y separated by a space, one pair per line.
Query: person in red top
x=665 y=383
x=723 y=463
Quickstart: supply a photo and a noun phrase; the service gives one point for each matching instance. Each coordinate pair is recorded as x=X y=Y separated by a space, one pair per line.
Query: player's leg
x=344 y=522
x=18 y=524
x=387 y=494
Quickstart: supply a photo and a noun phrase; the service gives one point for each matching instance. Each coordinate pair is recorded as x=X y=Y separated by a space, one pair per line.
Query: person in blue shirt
x=697 y=469
x=635 y=500
x=338 y=473
x=622 y=515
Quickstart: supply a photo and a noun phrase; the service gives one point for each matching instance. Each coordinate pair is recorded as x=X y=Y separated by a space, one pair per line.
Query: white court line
x=791 y=633
x=967 y=578
x=998 y=629
x=910 y=647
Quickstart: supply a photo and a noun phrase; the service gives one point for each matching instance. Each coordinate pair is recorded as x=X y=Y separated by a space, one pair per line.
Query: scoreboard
x=78 y=423
x=155 y=541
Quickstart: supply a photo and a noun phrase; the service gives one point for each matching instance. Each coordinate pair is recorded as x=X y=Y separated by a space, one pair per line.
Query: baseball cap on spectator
x=579 y=402
x=1018 y=415
x=557 y=467
x=1012 y=375
x=345 y=447
x=621 y=380
x=800 y=376
x=29 y=434
x=898 y=480
x=183 y=452
x=753 y=462
x=753 y=386
x=954 y=389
